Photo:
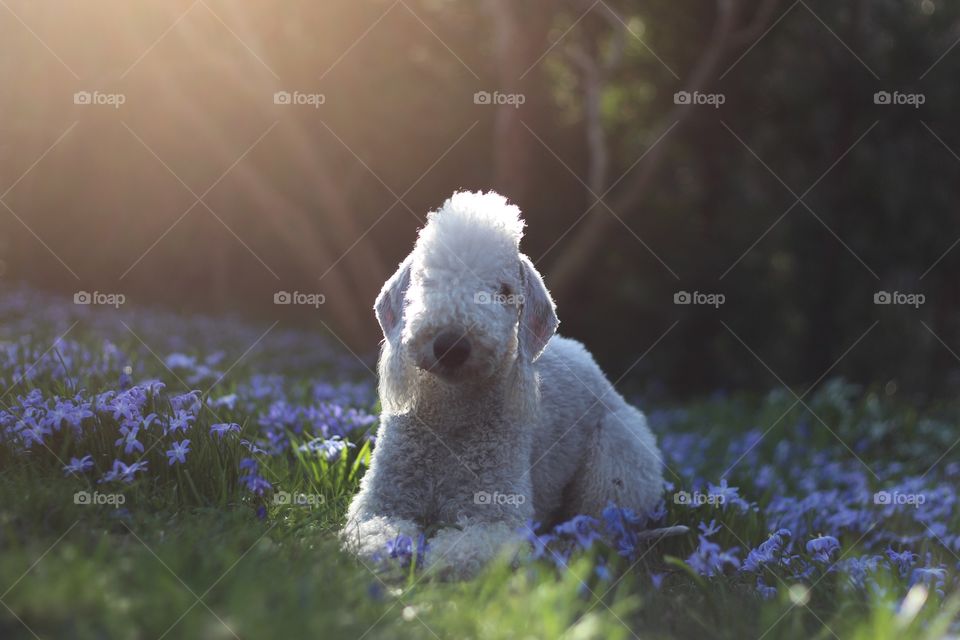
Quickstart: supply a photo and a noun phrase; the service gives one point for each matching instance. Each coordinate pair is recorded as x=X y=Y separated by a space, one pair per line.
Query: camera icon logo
x=682 y=297
x=882 y=497
x=81 y=497
x=282 y=297
x=282 y=497
x=282 y=97
x=881 y=97
x=682 y=97
x=82 y=97
x=482 y=497
x=482 y=97
x=82 y=297
x=482 y=297
x=882 y=297
x=682 y=497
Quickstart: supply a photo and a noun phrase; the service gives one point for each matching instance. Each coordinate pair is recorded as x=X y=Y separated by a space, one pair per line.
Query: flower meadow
x=157 y=465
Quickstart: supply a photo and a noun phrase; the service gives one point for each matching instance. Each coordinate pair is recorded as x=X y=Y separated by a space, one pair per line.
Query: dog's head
x=466 y=303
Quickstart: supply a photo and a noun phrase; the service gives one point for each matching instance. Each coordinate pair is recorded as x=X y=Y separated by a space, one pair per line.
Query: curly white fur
x=525 y=428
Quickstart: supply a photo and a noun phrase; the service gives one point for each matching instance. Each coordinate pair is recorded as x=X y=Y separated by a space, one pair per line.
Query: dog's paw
x=462 y=553
x=367 y=539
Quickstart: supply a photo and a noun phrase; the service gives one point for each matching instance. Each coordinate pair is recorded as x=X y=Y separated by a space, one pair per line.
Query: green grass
x=187 y=557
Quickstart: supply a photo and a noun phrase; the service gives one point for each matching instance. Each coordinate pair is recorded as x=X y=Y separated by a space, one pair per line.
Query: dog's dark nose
x=451 y=349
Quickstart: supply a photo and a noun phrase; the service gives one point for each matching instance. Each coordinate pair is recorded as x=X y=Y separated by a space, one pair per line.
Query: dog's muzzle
x=451 y=349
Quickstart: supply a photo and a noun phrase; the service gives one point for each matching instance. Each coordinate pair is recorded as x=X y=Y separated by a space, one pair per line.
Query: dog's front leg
x=390 y=494
x=460 y=553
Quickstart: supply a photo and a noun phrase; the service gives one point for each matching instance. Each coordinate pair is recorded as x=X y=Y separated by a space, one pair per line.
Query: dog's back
x=591 y=446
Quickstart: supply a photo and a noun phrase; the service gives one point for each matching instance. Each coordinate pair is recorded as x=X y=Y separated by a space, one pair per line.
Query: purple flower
x=129 y=440
x=933 y=577
x=582 y=528
x=223 y=428
x=903 y=560
x=538 y=542
x=331 y=448
x=181 y=420
x=656 y=579
x=822 y=548
x=769 y=552
x=622 y=526
x=123 y=472
x=603 y=571
x=709 y=559
x=708 y=529
x=253 y=448
x=178 y=452
x=79 y=465
x=402 y=548
x=188 y=402
x=730 y=495
x=228 y=401
x=256 y=484
x=766 y=592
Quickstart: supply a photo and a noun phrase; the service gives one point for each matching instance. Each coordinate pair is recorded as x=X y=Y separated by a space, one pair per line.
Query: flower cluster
x=881 y=527
x=87 y=400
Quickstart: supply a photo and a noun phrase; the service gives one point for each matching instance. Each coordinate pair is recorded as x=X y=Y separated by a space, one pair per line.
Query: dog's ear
x=392 y=299
x=538 y=315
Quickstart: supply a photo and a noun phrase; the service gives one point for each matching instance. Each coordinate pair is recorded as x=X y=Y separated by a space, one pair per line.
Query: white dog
x=489 y=420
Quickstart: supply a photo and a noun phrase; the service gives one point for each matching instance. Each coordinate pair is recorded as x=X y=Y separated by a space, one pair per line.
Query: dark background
x=693 y=197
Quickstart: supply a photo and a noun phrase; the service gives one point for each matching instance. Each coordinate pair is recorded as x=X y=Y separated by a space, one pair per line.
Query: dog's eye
x=505 y=290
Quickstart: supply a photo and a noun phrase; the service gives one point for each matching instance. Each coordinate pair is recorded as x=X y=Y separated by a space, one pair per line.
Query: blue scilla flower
x=223 y=428
x=764 y=590
x=180 y=420
x=228 y=402
x=622 y=526
x=709 y=558
x=822 y=548
x=400 y=548
x=582 y=528
x=902 y=560
x=128 y=439
x=769 y=552
x=178 y=452
x=331 y=448
x=188 y=402
x=537 y=541
x=730 y=495
x=656 y=579
x=256 y=484
x=79 y=465
x=253 y=447
x=123 y=472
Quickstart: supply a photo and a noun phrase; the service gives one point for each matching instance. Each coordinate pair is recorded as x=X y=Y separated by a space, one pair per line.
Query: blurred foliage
x=399 y=80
